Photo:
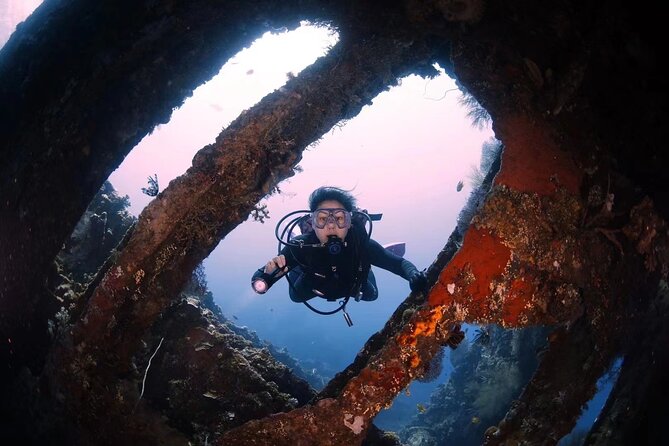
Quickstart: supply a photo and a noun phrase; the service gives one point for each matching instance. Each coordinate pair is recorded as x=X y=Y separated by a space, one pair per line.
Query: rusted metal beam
x=82 y=83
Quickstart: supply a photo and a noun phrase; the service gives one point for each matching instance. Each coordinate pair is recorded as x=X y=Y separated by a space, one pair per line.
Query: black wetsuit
x=315 y=272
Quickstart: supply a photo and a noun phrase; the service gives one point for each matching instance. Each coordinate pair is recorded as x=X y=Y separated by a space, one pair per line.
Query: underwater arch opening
x=408 y=155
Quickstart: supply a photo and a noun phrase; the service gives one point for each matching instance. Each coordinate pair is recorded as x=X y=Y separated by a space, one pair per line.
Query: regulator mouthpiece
x=334 y=245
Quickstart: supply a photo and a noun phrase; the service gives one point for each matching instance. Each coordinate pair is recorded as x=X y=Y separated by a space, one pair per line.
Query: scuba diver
x=332 y=258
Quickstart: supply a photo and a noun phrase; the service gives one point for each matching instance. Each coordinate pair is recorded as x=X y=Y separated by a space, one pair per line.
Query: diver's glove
x=418 y=281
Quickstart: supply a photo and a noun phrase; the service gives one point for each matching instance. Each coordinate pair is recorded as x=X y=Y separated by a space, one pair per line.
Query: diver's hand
x=274 y=263
x=418 y=281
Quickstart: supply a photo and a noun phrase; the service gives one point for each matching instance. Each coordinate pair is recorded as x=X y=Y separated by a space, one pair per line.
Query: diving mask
x=339 y=216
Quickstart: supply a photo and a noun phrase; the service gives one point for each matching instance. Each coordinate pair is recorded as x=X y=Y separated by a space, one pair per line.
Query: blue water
x=594 y=407
x=414 y=399
x=326 y=343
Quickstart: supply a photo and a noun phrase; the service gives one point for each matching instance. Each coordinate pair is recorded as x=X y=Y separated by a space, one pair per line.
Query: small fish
x=271 y=309
x=235 y=317
x=476 y=420
x=421 y=408
x=459 y=186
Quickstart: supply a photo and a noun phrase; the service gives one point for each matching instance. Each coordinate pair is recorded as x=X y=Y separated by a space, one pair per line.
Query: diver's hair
x=331 y=193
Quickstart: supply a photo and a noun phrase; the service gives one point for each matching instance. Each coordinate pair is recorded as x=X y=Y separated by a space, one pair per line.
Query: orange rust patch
x=485 y=257
x=532 y=160
x=426 y=326
x=406 y=339
x=390 y=378
x=520 y=295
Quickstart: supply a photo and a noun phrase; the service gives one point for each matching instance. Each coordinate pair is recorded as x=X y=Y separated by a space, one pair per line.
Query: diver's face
x=331 y=227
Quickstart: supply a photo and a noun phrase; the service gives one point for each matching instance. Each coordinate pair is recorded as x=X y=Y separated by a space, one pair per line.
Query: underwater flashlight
x=264 y=281
x=260 y=286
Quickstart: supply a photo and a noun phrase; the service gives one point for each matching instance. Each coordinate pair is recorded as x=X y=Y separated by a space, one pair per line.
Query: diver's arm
x=270 y=273
x=284 y=259
x=274 y=263
x=381 y=257
x=271 y=265
x=385 y=259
